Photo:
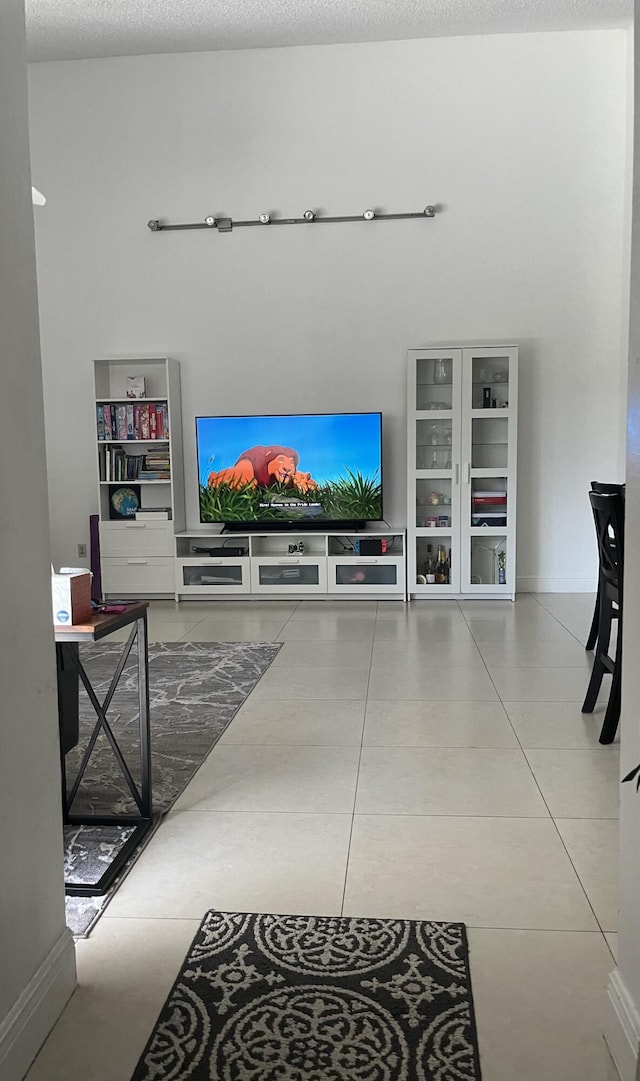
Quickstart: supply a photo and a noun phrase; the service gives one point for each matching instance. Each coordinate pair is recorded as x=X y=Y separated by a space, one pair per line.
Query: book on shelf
x=116 y=464
x=143 y=421
x=162 y=421
x=121 y=422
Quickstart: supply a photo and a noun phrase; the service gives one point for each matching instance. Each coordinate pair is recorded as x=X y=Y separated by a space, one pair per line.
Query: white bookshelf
x=138 y=557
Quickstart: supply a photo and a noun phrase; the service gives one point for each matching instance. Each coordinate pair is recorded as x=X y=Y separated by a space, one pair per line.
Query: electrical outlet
x=82 y=551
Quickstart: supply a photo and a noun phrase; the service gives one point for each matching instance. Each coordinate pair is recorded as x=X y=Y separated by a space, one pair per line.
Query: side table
x=70 y=669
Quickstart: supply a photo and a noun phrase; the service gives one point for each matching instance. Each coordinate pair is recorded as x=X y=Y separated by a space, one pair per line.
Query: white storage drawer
x=204 y=578
x=136 y=538
x=366 y=574
x=302 y=574
x=134 y=575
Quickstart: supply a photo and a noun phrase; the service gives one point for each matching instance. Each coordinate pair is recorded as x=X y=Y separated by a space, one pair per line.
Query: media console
x=317 y=563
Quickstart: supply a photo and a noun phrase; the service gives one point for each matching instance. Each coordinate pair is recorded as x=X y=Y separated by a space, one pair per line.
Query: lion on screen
x=263 y=467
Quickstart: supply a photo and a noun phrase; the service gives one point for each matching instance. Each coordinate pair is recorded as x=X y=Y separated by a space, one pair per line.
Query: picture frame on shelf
x=136 y=386
x=124 y=501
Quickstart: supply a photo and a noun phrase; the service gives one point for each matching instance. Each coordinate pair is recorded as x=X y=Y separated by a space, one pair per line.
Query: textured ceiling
x=76 y=29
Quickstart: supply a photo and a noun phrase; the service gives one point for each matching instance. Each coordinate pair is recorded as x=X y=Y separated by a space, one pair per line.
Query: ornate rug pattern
x=195 y=690
x=318 y=998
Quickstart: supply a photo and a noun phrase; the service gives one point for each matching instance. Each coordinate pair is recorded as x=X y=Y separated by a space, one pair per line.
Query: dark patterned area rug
x=318 y=998
x=195 y=690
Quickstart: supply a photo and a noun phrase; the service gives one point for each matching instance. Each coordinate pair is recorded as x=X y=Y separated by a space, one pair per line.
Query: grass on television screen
x=352 y=497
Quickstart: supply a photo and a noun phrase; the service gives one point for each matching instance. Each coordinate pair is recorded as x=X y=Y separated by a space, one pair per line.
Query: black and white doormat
x=318 y=998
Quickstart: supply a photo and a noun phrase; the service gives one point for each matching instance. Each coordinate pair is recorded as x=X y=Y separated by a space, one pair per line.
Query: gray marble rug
x=195 y=690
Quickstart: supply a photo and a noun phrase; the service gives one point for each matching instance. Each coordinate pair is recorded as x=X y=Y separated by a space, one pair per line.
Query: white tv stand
x=328 y=567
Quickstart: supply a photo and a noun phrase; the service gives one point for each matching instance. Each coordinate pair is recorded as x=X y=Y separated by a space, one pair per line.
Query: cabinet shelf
x=130 y=401
x=129 y=442
x=476 y=414
x=132 y=480
x=488 y=530
x=490 y=382
x=485 y=472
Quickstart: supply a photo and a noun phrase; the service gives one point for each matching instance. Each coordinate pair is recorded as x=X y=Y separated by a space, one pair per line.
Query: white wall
x=36 y=950
x=519 y=138
x=623 y=1024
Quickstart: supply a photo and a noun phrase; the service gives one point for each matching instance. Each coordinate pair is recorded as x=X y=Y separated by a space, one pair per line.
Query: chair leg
x=612 y=714
x=593 y=633
x=598 y=670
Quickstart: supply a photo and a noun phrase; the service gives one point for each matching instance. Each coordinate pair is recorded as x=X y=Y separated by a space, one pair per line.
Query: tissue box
x=71 y=598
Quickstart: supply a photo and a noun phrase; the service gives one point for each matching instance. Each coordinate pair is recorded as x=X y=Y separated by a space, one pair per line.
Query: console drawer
x=133 y=575
x=212 y=576
x=136 y=538
x=366 y=574
x=304 y=574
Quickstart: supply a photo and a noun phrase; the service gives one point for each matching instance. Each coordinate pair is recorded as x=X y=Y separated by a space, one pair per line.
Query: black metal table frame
x=143 y=820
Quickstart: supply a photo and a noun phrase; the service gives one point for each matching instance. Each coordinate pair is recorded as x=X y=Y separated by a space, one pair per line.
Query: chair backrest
x=607 y=489
x=608 y=515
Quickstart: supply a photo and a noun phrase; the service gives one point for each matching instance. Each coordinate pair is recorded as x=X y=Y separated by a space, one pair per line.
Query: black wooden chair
x=603 y=489
x=608 y=514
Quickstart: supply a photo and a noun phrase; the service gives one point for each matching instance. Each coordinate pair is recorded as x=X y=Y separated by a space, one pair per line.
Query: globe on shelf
x=125 y=502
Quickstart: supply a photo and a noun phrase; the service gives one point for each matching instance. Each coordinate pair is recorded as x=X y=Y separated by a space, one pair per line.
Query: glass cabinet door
x=437 y=375
x=435 y=394
x=487 y=494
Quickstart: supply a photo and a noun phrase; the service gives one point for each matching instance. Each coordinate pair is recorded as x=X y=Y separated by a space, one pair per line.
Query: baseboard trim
x=30 y=1020
x=536 y=584
x=622 y=1028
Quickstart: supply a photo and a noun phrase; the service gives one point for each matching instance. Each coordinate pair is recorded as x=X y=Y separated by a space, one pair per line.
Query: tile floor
x=425 y=762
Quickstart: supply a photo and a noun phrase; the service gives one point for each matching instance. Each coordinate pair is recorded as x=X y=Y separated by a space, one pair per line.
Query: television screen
x=301 y=469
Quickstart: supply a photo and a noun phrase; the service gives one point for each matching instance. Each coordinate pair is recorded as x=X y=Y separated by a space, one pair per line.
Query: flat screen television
x=309 y=470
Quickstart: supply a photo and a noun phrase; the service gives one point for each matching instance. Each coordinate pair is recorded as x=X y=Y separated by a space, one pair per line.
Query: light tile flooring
x=423 y=762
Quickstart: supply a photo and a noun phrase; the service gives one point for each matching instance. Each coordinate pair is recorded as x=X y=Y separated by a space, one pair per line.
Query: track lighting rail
x=225 y=225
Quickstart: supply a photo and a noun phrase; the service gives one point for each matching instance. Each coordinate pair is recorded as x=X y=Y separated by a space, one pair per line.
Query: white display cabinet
x=139 y=464
x=461 y=468
x=301 y=565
